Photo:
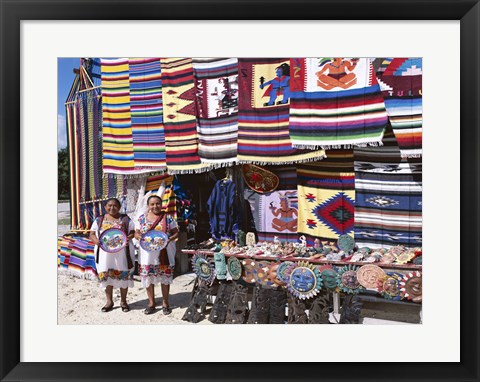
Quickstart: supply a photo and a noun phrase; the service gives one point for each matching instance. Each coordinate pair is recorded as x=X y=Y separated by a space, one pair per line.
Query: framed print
x=37 y=345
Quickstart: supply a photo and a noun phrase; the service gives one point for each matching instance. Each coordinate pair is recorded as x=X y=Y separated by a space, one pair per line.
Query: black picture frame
x=12 y=12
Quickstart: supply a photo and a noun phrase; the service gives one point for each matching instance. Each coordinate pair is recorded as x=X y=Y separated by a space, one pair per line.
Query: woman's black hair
x=153 y=196
x=115 y=200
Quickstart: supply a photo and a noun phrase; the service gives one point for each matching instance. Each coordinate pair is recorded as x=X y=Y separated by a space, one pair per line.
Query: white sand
x=80 y=302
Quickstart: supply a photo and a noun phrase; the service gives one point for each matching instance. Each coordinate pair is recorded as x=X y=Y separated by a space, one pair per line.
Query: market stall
x=296 y=183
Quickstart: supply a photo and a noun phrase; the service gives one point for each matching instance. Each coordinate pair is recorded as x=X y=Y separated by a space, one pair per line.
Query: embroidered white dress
x=112 y=268
x=152 y=268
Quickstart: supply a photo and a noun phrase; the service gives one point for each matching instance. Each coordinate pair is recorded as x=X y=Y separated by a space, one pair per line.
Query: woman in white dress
x=156 y=267
x=115 y=269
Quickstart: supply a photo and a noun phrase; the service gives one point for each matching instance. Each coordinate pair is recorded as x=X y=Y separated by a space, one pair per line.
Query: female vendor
x=156 y=267
x=115 y=269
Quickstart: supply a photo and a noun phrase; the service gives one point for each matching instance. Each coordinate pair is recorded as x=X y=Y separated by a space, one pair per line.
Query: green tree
x=63 y=175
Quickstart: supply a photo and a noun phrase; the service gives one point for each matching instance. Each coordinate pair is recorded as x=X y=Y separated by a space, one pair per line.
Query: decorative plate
x=204 y=269
x=347 y=279
x=388 y=258
x=272 y=274
x=234 y=267
x=261 y=271
x=405 y=257
x=346 y=243
x=411 y=286
x=397 y=249
x=153 y=241
x=329 y=276
x=304 y=281
x=389 y=285
x=113 y=240
x=259 y=179
x=281 y=271
x=248 y=266
x=357 y=257
x=368 y=275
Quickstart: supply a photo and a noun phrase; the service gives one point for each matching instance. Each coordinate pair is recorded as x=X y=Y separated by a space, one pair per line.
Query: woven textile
x=335 y=102
x=147 y=113
x=401 y=82
x=276 y=213
x=76 y=257
x=216 y=85
x=326 y=196
x=88 y=111
x=388 y=192
x=118 y=157
x=155 y=181
x=263 y=113
x=74 y=165
x=180 y=124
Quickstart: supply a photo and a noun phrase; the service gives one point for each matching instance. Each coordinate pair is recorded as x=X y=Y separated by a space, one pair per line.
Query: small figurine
x=303 y=241
x=250 y=239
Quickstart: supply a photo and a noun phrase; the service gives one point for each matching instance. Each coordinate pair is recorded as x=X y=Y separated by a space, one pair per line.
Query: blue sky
x=65 y=80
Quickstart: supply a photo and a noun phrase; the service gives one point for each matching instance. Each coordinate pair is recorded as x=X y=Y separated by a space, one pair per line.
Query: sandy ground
x=80 y=302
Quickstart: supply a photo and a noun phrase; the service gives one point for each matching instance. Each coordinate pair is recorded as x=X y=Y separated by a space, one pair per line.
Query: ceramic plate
x=113 y=240
x=154 y=241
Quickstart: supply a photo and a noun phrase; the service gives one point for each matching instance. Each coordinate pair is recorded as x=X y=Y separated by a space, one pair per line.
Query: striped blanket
x=118 y=156
x=401 y=82
x=147 y=113
x=326 y=197
x=181 y=138
x=73 y=165
x=89 y=119
x=335 y=102
x=263 y=113
x=276 y=213
x=216 y=86
x=76 y=257
x=388 y=192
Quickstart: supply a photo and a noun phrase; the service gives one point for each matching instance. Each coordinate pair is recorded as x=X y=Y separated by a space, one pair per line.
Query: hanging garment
x=222 y=210
x=263 y=112
x=216 y=88
x=401 y=82
x=335 y=103
x=326 y=197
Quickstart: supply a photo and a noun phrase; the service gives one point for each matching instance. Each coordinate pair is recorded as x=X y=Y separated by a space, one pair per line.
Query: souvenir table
x=304 y=284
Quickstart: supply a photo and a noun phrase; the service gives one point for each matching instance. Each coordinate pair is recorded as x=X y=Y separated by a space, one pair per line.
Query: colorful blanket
x=326 y=197
x=401 y=82
x=89 y=119
x=276 y=213
x=147 y=113
x=76 y=257
x=181 y=138
x=335 y=102
x=216 y=85
x=73 y=164
x=118 y=156
x=263 y=113
x=388 y=192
